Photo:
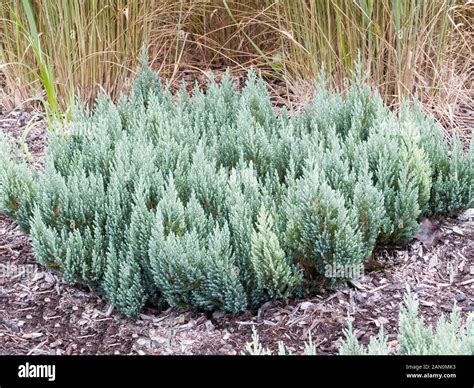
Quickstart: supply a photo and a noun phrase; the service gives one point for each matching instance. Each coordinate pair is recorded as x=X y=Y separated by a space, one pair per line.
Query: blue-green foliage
x=17 y=185
x=213 y=201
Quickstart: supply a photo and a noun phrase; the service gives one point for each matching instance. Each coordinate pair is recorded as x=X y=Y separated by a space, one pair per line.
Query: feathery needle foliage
x=213 y=201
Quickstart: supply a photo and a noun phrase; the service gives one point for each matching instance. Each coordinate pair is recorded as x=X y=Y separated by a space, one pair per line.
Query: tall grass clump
x=93 y=45
x=407 y=47
x=84 y=43
x=44 y=75
x=213 y=201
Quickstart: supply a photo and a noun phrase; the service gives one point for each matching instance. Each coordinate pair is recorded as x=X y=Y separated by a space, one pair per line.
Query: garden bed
x=41 y=314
